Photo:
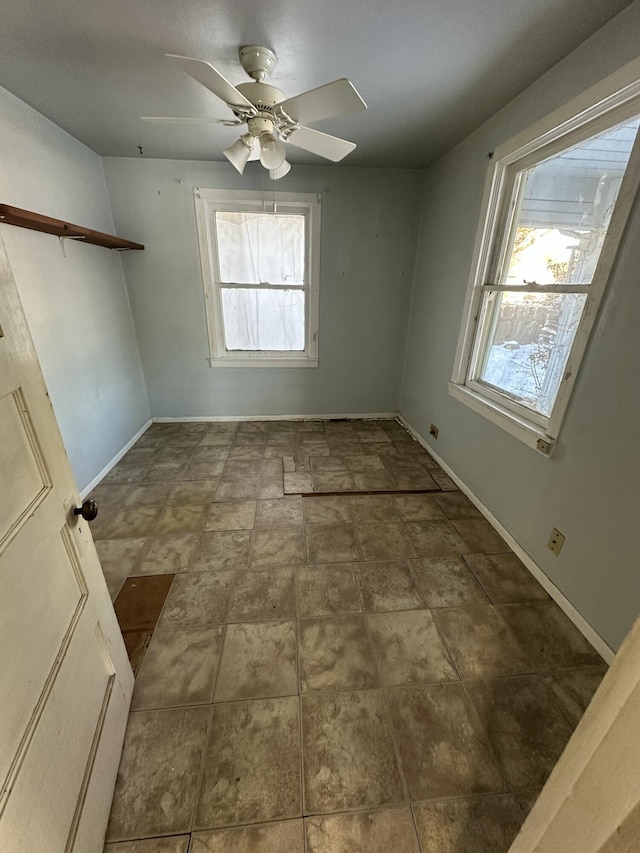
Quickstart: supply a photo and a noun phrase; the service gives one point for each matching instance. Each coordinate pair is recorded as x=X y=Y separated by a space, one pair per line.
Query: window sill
x=530 y=434
x=230 y=361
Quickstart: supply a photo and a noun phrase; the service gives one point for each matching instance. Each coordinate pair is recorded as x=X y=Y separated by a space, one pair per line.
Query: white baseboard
x=561 y=600
x=91 y=486
x=365 y=416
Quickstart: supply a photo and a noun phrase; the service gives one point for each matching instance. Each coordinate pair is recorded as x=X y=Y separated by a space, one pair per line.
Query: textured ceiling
x=430 y=70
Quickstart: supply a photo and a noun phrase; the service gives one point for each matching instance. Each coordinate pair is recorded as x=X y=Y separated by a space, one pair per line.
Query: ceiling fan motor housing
x=258 y=61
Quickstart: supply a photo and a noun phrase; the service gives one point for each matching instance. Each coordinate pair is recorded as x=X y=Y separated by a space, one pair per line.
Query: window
x=260 y=256
x=555 y=209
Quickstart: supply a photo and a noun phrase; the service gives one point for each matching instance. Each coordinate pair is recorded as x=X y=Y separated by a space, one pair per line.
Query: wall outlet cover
x=556 y=541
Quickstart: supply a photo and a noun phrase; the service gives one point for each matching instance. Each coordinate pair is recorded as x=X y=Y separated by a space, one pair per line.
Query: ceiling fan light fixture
x=238 y=153
x=272 y=152
x=280 y=172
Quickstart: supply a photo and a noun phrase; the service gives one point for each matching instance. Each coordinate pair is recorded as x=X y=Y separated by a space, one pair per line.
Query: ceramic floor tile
x=167 y=554
x=442 y=749
x=177 y=455
x=505 y=578
x=325 y=510
x=175 y=844
x=417 y=507
x=196 y=599
x=297 y=483
x=332 y=543
x=363 y=832
x=252 y=765
x=111 y=497
x=448 y=582
x=237 y=490
x=198 y=469
x=371 y=508
x=480 y=643
x=278 y=547
x=247 y=452
x=281 y=837
x=271 y=488
x=325 y=590
x=179 y=668
x=118 y=558
x=335 y=653
x=574 y=689
x=373 y=481
x=159 y=769
x=414 y=478
x=349 y=759
x=258 y=660
x=408 y=648
x=149 y=494
x=457 y=505
x=330 y=481
x=223 y=549
x=322 y=464
x=477 y=825
x=231 y=515
x=213 y=454
x=260 y=595
x=123 y=473
x=388 y=586
x=286 y=512
x=548 y=637
x=165 y=472
x=480 y=536
x=443 y=480
x=526 y=729
x=384 y=541
x=134 y=522
x=193 y=492
x=364 y=462
x=242 y=470
x=436 y=538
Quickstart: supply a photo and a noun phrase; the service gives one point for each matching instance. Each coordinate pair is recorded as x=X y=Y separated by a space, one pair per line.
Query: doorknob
x=88 y=510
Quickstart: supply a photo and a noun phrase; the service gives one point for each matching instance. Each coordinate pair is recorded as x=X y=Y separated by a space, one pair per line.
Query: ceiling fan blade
x=333 y=99
x=187 y=120
x=211 y=79
x=331 y=147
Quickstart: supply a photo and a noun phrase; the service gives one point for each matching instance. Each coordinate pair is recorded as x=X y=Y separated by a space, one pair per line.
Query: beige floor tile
x=168 y=554
x=364 y=462
x=481 y=644
x=363 y=832
x=194 y=492
x=325 y=590
x=524 y=726
x=261 y=595
x=323 y=464
x=179 y=668
x=365 y=509
x=278 y=547
x=505 y=578
x=199 y=469
x=414 y=478
x=442 y=749
x=231 y=515
x=182 y=518
x=218 y=453
x=325 y=510
x=252 y=765
x=286 y=512
x=119 y=558
x=417 y=507
x=297 y=483
x=123 y=473
x=197 y=599
x=223 y=549
x=237 y=490
x=436 y=538
x=388 y=586
x=574 y=689
x=175 y=844
x=159 y=770
x=448 y=582
x=476 y=825
x=149 y=494
x=258 y=660
x=247 y=452
x=134 y=522
x=271 y=487
x=335 y=653
x=373 y=481
x=349 y=759
x=332 y=543
x=480 y=536
x=282 y=837
x=330 y=481
x=408 y=648
x=165 y=472
x=457 y=505
x=384 y=541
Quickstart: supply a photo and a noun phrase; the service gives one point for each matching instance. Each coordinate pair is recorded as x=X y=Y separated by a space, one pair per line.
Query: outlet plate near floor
x=433 y=430
x=556 y=541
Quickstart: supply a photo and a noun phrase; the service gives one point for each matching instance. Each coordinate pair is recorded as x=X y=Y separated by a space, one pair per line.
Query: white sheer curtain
x=262 y=249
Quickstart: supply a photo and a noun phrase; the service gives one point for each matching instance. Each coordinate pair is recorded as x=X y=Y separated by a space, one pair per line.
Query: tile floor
x=329 y=674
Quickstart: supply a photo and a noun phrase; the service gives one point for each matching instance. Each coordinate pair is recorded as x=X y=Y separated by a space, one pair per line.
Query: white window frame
x=207 y=202
x=614 y=100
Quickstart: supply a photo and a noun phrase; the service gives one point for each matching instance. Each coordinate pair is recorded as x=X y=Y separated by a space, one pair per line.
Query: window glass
x=264 y=319
x=258 y=248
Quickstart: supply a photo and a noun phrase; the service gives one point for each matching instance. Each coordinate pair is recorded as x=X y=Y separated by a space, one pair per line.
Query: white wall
x=369 y=230
x=588 y=489
x=77 y=306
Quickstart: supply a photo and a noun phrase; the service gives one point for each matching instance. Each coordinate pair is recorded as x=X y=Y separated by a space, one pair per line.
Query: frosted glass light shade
x=239 y=152
x=280 y=172
x=272 y=152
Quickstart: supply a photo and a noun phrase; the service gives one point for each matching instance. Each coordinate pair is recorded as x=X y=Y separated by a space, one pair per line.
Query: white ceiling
x=430 y=70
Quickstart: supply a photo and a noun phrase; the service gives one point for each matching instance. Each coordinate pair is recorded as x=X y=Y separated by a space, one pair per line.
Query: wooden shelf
x=38 y=222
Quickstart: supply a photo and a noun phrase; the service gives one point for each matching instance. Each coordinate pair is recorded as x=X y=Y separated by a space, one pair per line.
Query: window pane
x=258 y=248
x=564 y=208
x=263 y=319
x=529 y=342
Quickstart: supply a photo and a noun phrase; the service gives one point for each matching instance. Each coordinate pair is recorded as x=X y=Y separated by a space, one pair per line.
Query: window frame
x=207 y=203
x=610 y=102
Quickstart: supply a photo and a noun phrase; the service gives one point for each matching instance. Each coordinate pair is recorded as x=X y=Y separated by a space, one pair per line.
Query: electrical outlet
x=433 y=430
x=556 y=541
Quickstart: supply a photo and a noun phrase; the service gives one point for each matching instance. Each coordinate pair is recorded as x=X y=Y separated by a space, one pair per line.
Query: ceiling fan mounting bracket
x=258 y=61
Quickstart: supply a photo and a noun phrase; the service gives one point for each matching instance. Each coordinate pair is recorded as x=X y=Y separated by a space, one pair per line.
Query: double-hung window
x=555 y=209
x=260 y=256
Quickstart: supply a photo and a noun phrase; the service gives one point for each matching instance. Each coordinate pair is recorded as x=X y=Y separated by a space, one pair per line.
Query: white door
x=65 y=681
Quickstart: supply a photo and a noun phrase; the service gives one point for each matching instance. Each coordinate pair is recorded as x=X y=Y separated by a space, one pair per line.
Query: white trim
x=560 y=599
x=364 y=416
x=96 y=480
x=254 y=359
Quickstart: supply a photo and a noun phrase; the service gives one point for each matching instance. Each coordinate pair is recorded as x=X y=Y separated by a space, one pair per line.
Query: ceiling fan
x=272 y=120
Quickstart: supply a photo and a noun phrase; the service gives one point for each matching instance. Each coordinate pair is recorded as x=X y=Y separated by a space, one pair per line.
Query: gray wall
x=588 y=489
x=77 y=306
x=369 y=231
